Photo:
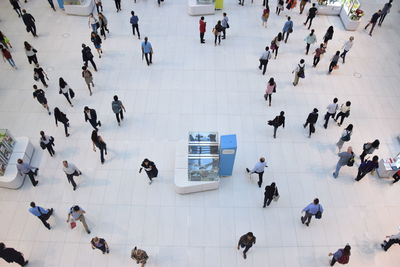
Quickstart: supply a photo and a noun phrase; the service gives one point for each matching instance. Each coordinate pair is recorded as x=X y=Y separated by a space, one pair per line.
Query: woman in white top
x=276 y=42
x=65 y=90
x=310 y=39
x=299 y=72
x=345 y=137
x=344 y=112
x=47 y=142
x=346 y=47
x=93 y=22
x=271 y=88
x=30 y=53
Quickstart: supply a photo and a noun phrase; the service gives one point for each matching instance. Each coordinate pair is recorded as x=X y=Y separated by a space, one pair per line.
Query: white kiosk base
x=84 y=9
x=195 y=9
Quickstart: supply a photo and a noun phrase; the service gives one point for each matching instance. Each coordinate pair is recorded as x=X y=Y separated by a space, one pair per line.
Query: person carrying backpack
x=341 y=256
x=345 y=158
x=345 y=137
x=299 y=72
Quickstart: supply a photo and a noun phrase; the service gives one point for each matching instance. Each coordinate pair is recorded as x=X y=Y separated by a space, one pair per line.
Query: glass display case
x=351 y=14
x=203 y=168
x=203 y=137
x=7 y=143
x=203 y=149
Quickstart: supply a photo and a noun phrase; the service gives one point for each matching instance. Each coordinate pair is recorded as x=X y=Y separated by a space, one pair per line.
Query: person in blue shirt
x=259 y=169
x=311 y=210
x=287 y=29
x=147 y=51
x=134 y=21
x=41 y=213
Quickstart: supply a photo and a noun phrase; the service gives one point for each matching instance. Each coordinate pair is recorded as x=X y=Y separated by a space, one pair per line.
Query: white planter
x=331 y=10
x=84 y=9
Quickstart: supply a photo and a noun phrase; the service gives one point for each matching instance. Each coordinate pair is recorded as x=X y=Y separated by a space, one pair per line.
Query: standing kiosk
x=227 y=154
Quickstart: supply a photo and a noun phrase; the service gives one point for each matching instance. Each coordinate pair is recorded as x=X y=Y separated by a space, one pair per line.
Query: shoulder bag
x=318 y=215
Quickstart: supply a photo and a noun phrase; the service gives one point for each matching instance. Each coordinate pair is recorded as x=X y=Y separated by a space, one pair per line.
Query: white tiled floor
x=202 y=87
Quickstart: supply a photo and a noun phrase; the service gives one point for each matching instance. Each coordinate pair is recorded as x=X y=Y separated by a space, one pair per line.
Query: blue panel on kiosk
x=227 y=153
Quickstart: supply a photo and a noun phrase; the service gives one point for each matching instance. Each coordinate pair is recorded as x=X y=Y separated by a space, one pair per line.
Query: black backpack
x=350 y=162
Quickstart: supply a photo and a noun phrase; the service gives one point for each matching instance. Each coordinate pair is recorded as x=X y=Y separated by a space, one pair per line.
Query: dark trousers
x=135 y=26
x=333 y=261
x=103 y=149
x=307 y=48
x=306 y=218
x=268 y=97
x=65 y=128
x=219 y=39
x=275 y=128
x=265 y=3
x=361 y=174
x=70 y=178
x=42 y=79
x=312 y=128
x=343 y=55
x=316 y=60
x=381 y=19
x=19 y=259
x=332 y=65
x=267 y=201
x=92 y=62
x=118 y=4
x=363 y=154
x=373 y=26
x=50 y=149
x=44 y=217
x=223 y=32
x=260 y=178
x=247 y=247
x=52 y=4
x=342 y=116
x=32 y=28
x=287 y=36
x=18 y=10
x=276 y=51
x=102 y=248
x=327 y=117
x=263 y=64
x=98 y=7
x=119 y=114
x=388 y=244
x=32 y=59
x=148 y=57
x=309 y=19
x=202 y=37
x=94 y=124
x=31 y=176
x=67 y=97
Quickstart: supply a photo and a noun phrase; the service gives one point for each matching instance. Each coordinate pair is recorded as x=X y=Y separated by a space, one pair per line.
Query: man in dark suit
x=29 y=22
x=88 y=56
x=311 y=119
x=11 y=255
x=91 y=116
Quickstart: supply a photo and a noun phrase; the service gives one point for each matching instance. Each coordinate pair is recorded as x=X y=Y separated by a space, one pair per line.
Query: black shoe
x=36 y=182
x=48 y=227
x=301 y=218
x=25 y=263
x=88 y=232
x=36 y=171
x=74 y=188
x=244 y=254
x=308 y=224
x=247 y=170
x=100 y=123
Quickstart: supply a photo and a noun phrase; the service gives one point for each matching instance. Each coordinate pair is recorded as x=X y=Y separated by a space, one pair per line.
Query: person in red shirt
x=202 y=29
x=7 y=56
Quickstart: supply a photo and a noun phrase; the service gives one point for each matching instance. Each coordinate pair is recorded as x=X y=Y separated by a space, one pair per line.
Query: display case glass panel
x=203 y=149
x=203 y=137
x=203 y=168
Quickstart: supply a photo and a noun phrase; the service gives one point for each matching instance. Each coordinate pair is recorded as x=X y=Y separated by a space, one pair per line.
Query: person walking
x=39 y=74
x=265 y=57
x=147 y=51
x=271 y=88
x=51 y=4
x=366 y=167
x=303 y=4
x=47 y=142
x=345 y=137
x=276 y=42
x=77 y=214
x=224 y=24
x=277 y=122
x=373 y=21
x=290 y=4
x=310 y=39
x=5 y=41
x=135 y=23
x=99 y=5
x=311 y=119
x=96 y=40
x=279 y=7
x=334 y=61
x=217 y=32
x=71 y=170
x=11 y=255
x=61 y=117
x=16 y=7
x=299 y=72
x=91 y=116
x=271 y=192
x=246 y=241
x=93 y=23
x=202 y=29
x=341 y=256
x=241 y=2
x=396 y=177
x=265 y=16
x=66 y=90
x=346 y=158
x=41 y=213
x=287 y=29
x=343 y=113
x=100 y=244
x=150 y=168
x=317 y=54
x=118 y=5
x=41 y=97
x=25 y=168
x=88 y=56
x=103 y=25
x=139 y=255
x=30 y=52
x=385 y=10
x=88 y=77
x=312 y=12
x=117 y=108
x=331 y=111
x=29 y=22
x=369 y=148
x=313 y=209
x=346 y=48
x=98 y=142
x=328 y=36
x=393 y=239
x=259 y=169
x=7 y=56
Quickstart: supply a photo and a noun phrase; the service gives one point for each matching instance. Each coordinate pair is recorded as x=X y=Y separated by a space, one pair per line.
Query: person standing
x=345 y=137
x=202 y=29
x=135 y=24
x=88 y=56
x=343 y=113
x=147 y=51
x=118 y=5
x=100 y=244
x=276 y=42
x=41 y=97
x=30 y=52
x=29 y=22
x=47 y=142
x=16 y=7
x=77 y=214
x=373 y=21
x=328 y=36
x=313 y=209
x=332 y=108
x=41 y=213
x=317 y=54
x=287 y=29
x=93 y=23
x=303 y=4
x=299 y=72
x=310 y=39
x=341 y=256
x=7 y=56
x=25 y=168
x=117 y=108
x=393 y=239
x=96 y=40
x=346 y=47
x=279 y=7
x=271 y=88
x=385 y=10
x=344 y=159
x=99 y=5
x=51 y=4
x=312 y=12
x=139 y=255
x=61 y=117
x=259 y=169
x=369 y=148
x=91 y=116
x=217 y=32
x=224 y=24
x=39 y=74
x=150 y=168
x=277 y=122
x=271 y=192
x=71 y=170
x=66 y=90
x=88 y=77
x=11 y=255
x=366 y=167
x=246 y=241
x=265 y=16
x=265 y=57
x=103 y=25
x=334 y=61
x=311 y=119
x=98 y=142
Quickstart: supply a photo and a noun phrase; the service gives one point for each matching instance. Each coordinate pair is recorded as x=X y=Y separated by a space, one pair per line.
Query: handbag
x=36 y=76
x=72 y=224
x=318 y=215
x=71 y=93
x=227 y=25
x=290 y=30
x=275 y=197
x=42 y=145
x=274 y=91
x=34 y=50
